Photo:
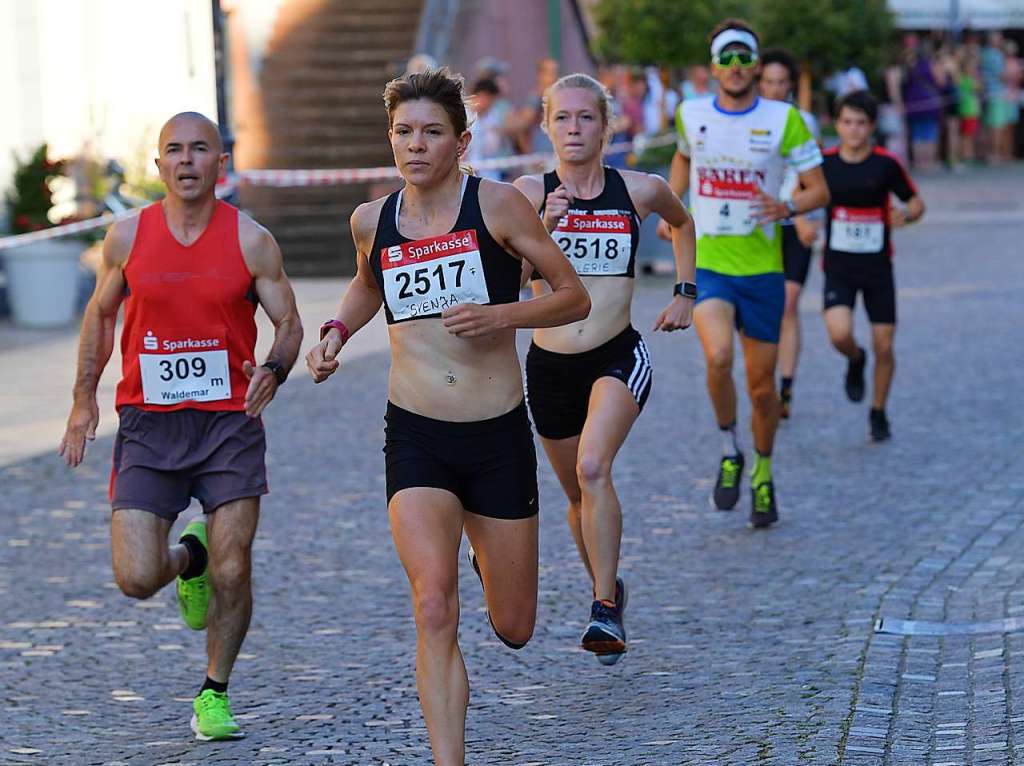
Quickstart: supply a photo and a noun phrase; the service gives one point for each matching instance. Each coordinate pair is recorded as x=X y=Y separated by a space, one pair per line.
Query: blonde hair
x=583 y=82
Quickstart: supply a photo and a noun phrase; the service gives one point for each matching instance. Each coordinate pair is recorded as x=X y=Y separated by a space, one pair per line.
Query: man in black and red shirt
x=858 y=254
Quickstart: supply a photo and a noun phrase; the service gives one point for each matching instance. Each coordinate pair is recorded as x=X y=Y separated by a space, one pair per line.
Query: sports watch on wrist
x=791 y=208
x=685 y=289
x=334 y=324
x=279 y=372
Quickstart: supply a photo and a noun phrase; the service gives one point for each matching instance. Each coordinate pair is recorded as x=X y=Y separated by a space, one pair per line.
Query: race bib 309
x=182 y=365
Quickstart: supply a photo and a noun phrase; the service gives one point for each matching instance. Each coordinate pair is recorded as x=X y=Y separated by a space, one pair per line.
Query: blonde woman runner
x=587 y=381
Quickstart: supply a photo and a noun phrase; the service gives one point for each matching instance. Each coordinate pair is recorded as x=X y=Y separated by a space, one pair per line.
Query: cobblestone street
x=745 y=647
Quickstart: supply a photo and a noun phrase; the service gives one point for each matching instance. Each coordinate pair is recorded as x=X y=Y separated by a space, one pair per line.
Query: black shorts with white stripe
x=558 y=385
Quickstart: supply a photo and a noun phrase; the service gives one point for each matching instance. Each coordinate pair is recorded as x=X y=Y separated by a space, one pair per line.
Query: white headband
x=729 y=36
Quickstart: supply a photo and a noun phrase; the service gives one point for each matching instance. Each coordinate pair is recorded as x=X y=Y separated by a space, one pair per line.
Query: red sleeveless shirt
x=189 y=319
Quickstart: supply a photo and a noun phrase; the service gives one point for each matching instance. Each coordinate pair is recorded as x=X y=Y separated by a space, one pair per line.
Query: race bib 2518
x=596 y=245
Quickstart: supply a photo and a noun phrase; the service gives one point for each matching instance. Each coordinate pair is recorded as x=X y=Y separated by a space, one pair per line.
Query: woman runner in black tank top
x=444 y=256
x=420 y=279
x=599 y=236
x=588 y=381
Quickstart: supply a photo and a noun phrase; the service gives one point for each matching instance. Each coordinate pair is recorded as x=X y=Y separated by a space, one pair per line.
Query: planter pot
x=42 y=282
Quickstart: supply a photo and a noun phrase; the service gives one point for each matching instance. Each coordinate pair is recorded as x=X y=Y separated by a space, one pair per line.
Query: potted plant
x=42 y=277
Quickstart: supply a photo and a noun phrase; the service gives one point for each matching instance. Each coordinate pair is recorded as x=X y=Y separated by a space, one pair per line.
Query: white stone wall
x=103 y=74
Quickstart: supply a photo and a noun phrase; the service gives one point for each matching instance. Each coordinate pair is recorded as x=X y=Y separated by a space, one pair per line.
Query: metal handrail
x=437 y=21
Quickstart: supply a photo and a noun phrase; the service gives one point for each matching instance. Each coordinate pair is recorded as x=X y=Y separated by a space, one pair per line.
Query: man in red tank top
x=190 y=271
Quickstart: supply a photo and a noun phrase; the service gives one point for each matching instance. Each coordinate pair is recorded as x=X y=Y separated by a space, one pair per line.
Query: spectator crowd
x=941 y=101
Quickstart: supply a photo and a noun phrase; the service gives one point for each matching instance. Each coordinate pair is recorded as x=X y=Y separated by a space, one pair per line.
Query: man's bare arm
x=263 y=257
x=96 y=340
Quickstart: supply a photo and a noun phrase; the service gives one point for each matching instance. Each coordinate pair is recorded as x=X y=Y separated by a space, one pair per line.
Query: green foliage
x=665 y=32
x=29 y=200
x=655 y=158
x=826 y=34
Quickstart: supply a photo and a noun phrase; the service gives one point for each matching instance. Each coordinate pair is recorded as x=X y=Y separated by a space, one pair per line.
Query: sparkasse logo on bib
x=150 y=342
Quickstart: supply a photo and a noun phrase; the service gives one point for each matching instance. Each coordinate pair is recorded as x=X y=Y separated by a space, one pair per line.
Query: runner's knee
x=515 y=630
x=137 y=584
x=436 y=608
x=840 y=338
x=230 y=573
x=792 y=302
x=593 y=470
x=720 y=361
x=883 y=350
x=763 y=396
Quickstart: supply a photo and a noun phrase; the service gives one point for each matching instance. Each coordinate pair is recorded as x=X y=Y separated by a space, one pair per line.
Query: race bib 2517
x=427 y=276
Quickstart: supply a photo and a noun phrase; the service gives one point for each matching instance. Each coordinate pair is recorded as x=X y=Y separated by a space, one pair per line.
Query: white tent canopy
x=958 y=14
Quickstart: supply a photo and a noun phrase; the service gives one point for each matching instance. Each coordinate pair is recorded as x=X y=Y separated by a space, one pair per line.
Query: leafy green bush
x=30 y=199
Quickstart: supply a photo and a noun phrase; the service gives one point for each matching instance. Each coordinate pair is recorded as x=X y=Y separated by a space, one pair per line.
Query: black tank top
x=421 y=278
x=599 y=236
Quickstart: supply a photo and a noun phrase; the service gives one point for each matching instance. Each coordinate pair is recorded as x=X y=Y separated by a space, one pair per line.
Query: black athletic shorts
x=164 y=459
x=796 y=259
x=558 y=385
x=873 y=278
x=490 y=465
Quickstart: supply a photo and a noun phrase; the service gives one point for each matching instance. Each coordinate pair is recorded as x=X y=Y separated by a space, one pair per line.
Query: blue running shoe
x=605 y=634
x=621 y=598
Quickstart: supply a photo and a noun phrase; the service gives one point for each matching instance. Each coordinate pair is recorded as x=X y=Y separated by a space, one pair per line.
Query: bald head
x=191 y=157
x=196 y=125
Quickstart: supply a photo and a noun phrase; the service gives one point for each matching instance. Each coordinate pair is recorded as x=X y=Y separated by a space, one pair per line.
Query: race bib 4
x=596 y=245
x=857 y=229
x=185 y=366
x=724 y=203
x=425 y=277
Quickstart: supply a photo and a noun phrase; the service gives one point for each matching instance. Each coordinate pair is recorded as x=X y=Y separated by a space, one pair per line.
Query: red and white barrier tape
x=328 y=177
x=294 y=178
x=18 y=240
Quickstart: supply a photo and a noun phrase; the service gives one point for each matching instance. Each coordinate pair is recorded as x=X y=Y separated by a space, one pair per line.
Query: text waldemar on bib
x=188 y=366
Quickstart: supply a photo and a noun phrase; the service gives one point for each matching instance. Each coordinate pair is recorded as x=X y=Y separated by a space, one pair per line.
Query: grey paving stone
x=745 y=647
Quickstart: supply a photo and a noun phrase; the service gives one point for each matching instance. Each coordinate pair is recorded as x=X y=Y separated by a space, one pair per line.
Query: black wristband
x=685 y=289
x=279 y=372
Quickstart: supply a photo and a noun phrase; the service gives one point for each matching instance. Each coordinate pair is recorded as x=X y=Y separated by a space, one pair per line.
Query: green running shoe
x=763 y=510
x=727 y=486
x=212 y=719
x=194 y=594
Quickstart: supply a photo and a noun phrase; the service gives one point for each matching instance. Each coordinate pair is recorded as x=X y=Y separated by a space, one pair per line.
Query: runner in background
x=779 y=76
x=589 y=380
x=732 y=154
x=858 y=253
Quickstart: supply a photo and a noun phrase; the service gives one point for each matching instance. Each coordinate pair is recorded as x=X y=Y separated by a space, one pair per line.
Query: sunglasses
x=745 y=59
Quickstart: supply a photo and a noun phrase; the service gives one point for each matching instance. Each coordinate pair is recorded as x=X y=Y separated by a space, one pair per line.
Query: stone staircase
x=321 y=82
